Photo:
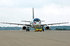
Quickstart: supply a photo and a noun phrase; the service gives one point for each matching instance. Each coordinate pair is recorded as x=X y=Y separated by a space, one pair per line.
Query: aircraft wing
x=42 y=21
x=25 y=21
x=58 y=23
x=15 y=23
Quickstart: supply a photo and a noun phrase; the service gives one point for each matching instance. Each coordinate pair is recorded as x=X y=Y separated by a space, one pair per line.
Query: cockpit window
x=36 y=19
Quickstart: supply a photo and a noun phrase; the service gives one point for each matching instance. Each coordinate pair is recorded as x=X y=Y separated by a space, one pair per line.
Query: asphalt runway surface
x=47 y=38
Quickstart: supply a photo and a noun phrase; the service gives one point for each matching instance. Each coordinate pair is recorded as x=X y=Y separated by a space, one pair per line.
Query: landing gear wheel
x=43 y=30
x=27 y=29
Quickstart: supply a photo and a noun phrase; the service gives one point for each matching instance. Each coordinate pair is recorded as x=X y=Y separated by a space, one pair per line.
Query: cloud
x=20 y=3
x=31 y=3
x=50 y=12
x=54 y=13
x=47 y=10
x=6 y=3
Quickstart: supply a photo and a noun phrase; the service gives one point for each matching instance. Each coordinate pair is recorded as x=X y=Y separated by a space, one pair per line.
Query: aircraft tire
x=27 y=30
x=42 y=29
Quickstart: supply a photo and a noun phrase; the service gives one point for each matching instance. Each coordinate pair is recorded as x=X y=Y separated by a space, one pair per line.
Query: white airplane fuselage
x=36 y=21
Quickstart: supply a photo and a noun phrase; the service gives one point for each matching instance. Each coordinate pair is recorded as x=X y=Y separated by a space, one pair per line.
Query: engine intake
x=24 y=28
x=47 y=27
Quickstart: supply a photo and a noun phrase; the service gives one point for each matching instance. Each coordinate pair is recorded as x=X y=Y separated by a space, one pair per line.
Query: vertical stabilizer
x=33 y=12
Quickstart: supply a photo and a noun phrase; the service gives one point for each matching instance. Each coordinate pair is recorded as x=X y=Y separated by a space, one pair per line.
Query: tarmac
x=47 y=38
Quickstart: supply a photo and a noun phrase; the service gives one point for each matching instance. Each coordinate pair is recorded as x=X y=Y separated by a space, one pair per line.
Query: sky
x=52 y=11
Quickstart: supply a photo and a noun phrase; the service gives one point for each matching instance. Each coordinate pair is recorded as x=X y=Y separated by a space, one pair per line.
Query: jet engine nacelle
x=47 y=27
x=24 y=27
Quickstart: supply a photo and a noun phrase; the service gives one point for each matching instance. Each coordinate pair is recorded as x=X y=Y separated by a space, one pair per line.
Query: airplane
x=35 y=23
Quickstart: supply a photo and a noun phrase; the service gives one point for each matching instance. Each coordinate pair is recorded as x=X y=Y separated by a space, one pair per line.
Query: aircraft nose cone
x=37 y=23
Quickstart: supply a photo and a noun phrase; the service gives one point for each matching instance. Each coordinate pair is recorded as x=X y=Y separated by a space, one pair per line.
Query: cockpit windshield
x=36 y=19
